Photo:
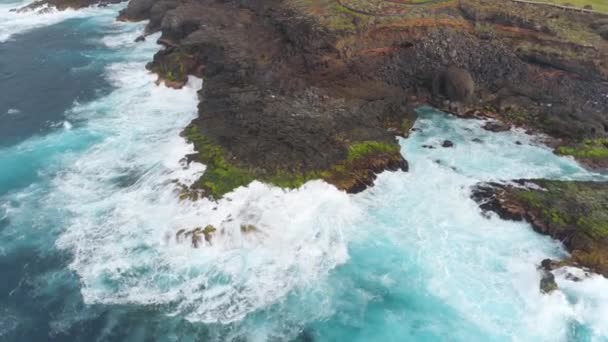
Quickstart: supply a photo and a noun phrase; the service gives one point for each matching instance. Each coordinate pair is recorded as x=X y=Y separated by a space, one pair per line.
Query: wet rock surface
x=573 y=212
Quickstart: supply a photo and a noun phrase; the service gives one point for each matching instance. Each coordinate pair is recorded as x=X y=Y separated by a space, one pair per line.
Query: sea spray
x=14 y=22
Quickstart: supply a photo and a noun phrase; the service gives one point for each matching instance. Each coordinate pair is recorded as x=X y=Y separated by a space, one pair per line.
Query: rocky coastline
x=573 y=212
x=296 y=90
x=293 y=87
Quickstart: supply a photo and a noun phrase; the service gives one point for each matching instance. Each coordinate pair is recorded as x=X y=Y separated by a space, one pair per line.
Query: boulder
x=447 y=143
x=459 y=85
x=496 y=126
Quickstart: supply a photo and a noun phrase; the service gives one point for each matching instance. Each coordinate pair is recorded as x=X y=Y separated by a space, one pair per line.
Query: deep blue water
x=42 y=73
x=89 y=212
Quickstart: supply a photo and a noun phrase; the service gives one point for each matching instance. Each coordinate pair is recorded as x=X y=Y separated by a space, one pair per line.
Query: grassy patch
x=221 y=176
x=363 y=149
x=590 y=148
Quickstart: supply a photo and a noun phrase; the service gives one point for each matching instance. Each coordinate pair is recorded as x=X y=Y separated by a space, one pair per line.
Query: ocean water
x=89 y=215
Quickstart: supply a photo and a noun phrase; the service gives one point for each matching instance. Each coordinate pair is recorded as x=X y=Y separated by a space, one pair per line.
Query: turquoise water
x=89 y=213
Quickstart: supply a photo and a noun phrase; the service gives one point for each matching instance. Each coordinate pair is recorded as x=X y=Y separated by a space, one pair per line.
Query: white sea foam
x=123 y=214
x=126 y=213
x=483 y=268
x=19 y=22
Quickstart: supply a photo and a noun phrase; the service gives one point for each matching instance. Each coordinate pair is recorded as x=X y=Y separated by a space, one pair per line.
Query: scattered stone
x=496 y=126
x=447 y=143
x=428 y=146
x=141 y=38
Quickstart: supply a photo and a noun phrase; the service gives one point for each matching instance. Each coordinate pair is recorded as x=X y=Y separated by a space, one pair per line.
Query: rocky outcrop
x=576 y=213
x=292 y=86
x=137 y=10
x=288 y=93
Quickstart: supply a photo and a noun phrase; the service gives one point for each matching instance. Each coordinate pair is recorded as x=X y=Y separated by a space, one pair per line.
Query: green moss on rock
x=222 y=175
x=573 y=207
x=363 y=149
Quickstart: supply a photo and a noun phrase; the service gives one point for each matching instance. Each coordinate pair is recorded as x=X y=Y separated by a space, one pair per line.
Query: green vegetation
x=598 y=5
x=590 y=149
x=223 y=176
x=569 y=205
x=363 y=149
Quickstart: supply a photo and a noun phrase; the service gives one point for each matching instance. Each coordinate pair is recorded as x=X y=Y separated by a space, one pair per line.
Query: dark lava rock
x=288 y=92
x=496 y=126
x=447 y=143
x=140 y=39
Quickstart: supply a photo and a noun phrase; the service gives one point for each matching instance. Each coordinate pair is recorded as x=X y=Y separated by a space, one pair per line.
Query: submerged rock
x=197 y=235
x=547 y=282
x=249 y=228
x=447 y=143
